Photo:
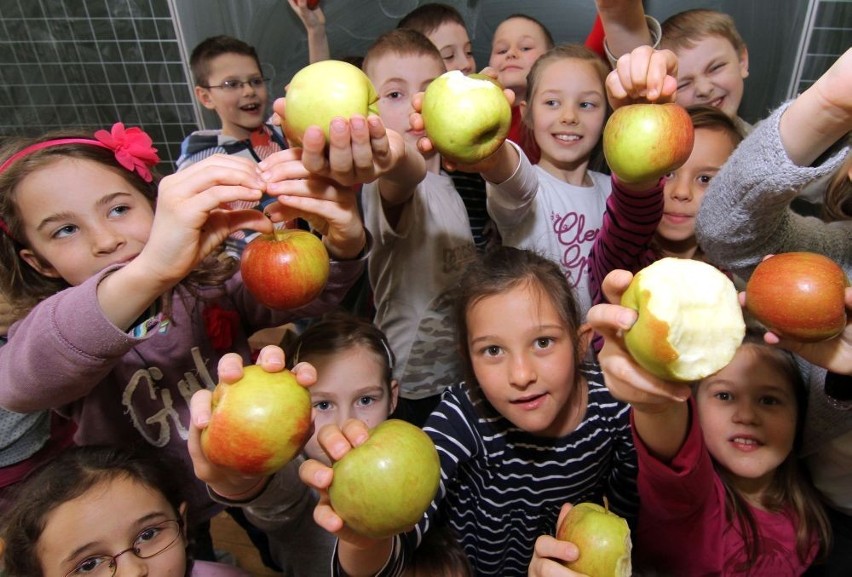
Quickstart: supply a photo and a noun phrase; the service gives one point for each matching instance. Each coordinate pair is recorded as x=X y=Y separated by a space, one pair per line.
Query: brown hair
x=711 y=118
x=791 y=490
x=684 y=29
x=23 y=286
x=504 y=269
x=429 y=17
x=210 y=48
x=548 y=37
x=439 y=555
x=837 y=204
x=401 y=42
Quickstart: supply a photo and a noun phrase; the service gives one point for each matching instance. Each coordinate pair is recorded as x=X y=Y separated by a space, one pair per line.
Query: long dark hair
x=71 y=474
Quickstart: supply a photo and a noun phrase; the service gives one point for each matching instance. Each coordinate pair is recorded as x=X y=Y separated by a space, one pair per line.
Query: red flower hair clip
x=133 y=148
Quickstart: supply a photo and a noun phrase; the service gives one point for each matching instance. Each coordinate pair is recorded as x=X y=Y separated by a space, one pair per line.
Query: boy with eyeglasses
x=229 y=81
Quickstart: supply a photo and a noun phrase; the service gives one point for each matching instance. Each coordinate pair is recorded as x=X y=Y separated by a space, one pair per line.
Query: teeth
x=742 y=441
x=567 y=137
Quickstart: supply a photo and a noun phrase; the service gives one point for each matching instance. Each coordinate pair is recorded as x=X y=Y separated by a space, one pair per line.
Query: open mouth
x=529 y=402
x=567 y=137
x=744 y=443
x=254 y=107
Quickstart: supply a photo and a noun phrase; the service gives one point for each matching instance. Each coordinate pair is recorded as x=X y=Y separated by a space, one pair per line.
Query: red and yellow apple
x=286 y=269
x=383 y=486
x=325 y=90
x=467 y=118
x=602 y=537
x=689 y=322
x=799 y=296
x=258 y=424
x=642 y=142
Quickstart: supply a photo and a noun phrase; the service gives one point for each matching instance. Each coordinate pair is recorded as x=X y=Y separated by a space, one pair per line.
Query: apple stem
x=280 y=233
x=606 y=504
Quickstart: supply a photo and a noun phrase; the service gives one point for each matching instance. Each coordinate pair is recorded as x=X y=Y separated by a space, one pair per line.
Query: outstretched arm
x=314 y=22
x=624 y=25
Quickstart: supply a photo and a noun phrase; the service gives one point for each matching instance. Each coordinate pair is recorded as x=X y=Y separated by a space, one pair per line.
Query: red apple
x=258 y=424
x=312 y=4
x=642 y=142
x=798 y=295
x=602 y=537
x=383 y=486
x=285 y=270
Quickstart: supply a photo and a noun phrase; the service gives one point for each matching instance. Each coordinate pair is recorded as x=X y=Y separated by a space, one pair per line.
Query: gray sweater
x=746 y=215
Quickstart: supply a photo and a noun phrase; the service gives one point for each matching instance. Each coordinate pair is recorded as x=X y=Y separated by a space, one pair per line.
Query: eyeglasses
x=233 y=85
x=149 y=542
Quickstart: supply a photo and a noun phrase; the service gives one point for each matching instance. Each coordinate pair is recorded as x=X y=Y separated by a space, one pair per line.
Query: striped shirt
x=502 y=487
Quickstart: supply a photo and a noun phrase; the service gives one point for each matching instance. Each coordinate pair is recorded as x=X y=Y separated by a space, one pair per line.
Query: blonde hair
x=401 y=42
x=837 y=204
x=685 y=28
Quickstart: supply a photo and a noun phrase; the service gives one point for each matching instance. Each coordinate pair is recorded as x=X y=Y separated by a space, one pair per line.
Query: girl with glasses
x=102 y=511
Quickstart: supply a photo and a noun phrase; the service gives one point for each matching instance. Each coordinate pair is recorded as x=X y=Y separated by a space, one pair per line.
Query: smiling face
x=452 y=41
x=397 y=79
x=568 y=111
x=517 y=44
x=350 y=385
x=79 y=217
x=747 y=412
x=684 y=191
x=107 y=519
x=525 y=367
x=711 y=72
x=243 y=110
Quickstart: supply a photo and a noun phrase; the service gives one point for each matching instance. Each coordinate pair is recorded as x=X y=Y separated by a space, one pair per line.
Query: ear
x=182 y=510
x=394 y=393
x=205 y=98
x=37 y=263
x=744 y=62
x=522 y=106
x=584 y=338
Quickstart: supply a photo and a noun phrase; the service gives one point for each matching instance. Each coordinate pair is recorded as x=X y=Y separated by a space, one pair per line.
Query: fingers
x=271 y=359
x=230 y=368
x=549 y=555
x=305 y=373
x=615 y=283
x=315 y=474
x=199 y=409
x=643 y=75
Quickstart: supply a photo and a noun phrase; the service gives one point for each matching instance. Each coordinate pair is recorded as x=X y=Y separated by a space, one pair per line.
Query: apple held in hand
x=325 y=90
x=383 y=486
x=690 y=322
x=259 y=423
x=285 y=270
x=312 y=4
x=799 y=295
x=642 y=142
x=467 y=118
x=602 y=537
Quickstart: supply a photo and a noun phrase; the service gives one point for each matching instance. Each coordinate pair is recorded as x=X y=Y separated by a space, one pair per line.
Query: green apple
x=325 y=90
x=690 y=322
x=467 y=118
x=642 y=142
x=286 y=269
x=258 y=424
x=602 y=537
x=799 y=295
x=383 y=486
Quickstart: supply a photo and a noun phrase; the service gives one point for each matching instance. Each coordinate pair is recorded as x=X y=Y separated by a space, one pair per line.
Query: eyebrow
x=141 y=522
x=68 y=215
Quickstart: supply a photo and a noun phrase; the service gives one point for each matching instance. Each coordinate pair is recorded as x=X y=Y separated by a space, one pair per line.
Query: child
x=131 y=308
x=445 y=28
x=530 y=429
x=712 y=60
x=421 y=232
x=557 y=206
x=642 y=227
x=746 y=216
x=102 y=511
x=719 y=482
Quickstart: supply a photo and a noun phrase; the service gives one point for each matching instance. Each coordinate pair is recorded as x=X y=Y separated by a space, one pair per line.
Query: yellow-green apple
x=325 y=90
x=642 y=142
x=286 y=269
x=602 y=537
x=467 y=118
x=798 y=295
x=689 y=322
x=258 y=424
x=383 y=486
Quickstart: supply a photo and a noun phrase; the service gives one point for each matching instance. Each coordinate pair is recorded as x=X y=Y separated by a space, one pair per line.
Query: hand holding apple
x=323 y=91
x=603 y=540
x=799 y=296
x=550 y=555
x=689 y=322
x=644 y=75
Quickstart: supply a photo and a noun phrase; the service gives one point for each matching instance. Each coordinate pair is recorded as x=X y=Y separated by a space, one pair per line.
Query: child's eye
x=89 y=565
x=322 y=405
x=769 y=400
x=588 y=105
x=670 y=175
x=683 y=85
x=543 y=342
x=705 y=178
x=119 y=210
x=551 y=103
x=147 y=534
x=716 y=67
x=491 y=351
x=64 y=231
x=723 y=396
x=366 y=401
x=394 y=95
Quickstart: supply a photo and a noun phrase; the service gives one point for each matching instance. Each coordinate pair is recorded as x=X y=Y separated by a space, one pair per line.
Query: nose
x=521 y=372
x=678 y=189
x=130 y=565
x=744 y=412
x=703 y=87
x=106 y=240
x=247 y=88
x=568 y=115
